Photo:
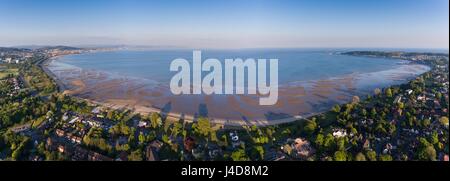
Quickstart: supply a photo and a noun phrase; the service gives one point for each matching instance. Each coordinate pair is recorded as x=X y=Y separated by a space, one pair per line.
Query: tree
x=426 y=150
x=429 y=153
x=239 y=155
x=176 y=129
x=388 y=92
x=135 y=156
x=371 y=155
x=426 y=122
x=385 y=157
x=341 y=144
x=16 y=154
x=434 y=138
x=373 y=113
x=319 y=140
x=336 y=108
x=340 y=156
x=260 y=150
x=364 y=112
x=310 y=126
x=155 y=120
x=329 y=142
x=141 y=138
x=360 y=157
x=444 y=120
x=202 y=127
x=438 y=95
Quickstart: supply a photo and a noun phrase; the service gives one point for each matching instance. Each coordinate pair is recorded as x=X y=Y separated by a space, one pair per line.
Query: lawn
x=4 y=72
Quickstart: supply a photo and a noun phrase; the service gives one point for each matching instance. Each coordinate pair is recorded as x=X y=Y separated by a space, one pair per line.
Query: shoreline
x=59 y=83
x=175 y=116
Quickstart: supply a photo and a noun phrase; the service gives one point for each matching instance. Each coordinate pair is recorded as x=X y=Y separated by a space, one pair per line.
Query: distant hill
x=390 y=54
x=58 y=48
x=12 y=49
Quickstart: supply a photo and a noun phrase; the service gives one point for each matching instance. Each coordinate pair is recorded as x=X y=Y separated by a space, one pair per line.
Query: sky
x=227 y=23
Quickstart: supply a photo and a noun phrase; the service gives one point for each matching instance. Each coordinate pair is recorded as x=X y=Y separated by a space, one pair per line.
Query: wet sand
x=297 y=100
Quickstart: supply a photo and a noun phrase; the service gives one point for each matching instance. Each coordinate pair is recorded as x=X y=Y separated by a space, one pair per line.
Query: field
x=4 y=72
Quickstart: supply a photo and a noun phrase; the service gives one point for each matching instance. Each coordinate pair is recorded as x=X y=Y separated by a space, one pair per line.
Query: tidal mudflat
x=310 y=81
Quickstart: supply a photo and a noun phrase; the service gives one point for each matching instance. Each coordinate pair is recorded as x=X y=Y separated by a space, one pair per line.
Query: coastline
x=173 y=116
x=44 y=64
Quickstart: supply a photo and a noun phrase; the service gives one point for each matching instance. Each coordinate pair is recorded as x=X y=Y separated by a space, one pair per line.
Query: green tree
x=239 y=155
x=310 y=126
x=319 y=140
x=329 y=142
x=426 y=150
x=340 y=143
x=260 y=150
x=438 y=95
x=385 y=157
x=155 y=120
x=340 y=156
x=336 y=108
x=429 y=153
x=434 y=138
x=202 y=127
x=426 y=122
x=360 y=157
x=444 y=120
x=388 y=92
x=371 y=155
x=135 y=156
x=141 y=138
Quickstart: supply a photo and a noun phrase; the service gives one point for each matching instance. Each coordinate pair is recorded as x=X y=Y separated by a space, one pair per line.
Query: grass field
x=4 y=72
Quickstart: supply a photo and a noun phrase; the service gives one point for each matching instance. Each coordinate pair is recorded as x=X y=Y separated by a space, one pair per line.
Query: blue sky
x=227 y=23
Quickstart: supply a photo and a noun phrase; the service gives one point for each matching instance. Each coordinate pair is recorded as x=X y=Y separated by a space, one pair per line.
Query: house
x=94 y=123
x=189 y=144
x=65 y=117
x=49 y=144
x=214 y=151
x=21 y=128
x=74 y=120
x=123 y=156
x=409 y=91
x=79 y=154
x=198 y=152
x=76 y=139
x=339 y=133
x=94 y=156
x=60 y=132
x=142 y=124
x=303 y=148
x=235 y=139
x=152 y=150
x=61 y=148
x=388 y=148
x=398 y=99
x=96 y=110
x=421 y=98
x=366 y=144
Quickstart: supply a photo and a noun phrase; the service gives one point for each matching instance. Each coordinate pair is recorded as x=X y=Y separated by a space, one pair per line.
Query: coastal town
x=399 y=123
